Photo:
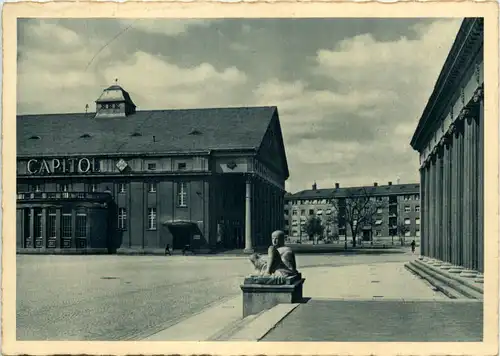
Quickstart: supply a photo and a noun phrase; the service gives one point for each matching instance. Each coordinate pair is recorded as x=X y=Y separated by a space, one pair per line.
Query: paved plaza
x=131 y=297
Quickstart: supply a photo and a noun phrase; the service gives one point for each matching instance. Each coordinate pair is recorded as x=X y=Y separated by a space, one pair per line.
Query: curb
x=444 y=283
x=258 y=326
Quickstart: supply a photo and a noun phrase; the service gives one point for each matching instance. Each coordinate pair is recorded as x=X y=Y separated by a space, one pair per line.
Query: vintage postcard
x=250 y=178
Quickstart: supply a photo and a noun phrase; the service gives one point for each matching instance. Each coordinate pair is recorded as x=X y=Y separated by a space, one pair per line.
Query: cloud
x=167 y=27
x=44 y=77
x=348 y=107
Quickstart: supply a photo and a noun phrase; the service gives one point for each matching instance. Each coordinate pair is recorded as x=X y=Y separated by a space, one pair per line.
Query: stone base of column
x=248 y=250
x=468 y=274
x=446 y=266
x=456 y=269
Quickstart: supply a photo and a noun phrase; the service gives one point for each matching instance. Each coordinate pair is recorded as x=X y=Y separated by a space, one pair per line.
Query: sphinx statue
x=280 y=263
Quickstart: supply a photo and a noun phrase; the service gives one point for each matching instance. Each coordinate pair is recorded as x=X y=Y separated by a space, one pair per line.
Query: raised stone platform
x=261 y=293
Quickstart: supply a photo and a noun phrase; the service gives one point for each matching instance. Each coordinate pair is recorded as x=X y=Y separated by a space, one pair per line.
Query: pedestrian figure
x=413 y=246
x=167 y=250
x=186 y=249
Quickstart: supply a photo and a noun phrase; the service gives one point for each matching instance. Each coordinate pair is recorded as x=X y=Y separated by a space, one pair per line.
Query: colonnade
x=452 y=192
x=264 y=204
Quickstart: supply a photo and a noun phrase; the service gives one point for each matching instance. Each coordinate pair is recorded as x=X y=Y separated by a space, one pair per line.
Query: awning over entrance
x=184 y=232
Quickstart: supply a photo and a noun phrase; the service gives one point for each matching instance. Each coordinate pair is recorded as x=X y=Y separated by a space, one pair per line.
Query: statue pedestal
x=262 y=293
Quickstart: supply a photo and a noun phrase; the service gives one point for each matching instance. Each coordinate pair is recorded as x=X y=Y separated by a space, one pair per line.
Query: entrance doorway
x=367 y=235
x=181 y=236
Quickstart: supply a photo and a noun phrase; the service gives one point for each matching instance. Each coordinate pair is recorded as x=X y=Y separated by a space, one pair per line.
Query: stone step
x=441 y=287
x=444 y=281
x=461 y=280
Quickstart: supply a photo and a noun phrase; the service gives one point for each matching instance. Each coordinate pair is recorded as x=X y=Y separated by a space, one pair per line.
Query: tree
x=314 y=227
x=402 y=230
x=330 y=224
x=356 y=208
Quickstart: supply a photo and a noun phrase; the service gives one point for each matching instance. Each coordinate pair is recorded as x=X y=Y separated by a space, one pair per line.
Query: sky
x=349 y=92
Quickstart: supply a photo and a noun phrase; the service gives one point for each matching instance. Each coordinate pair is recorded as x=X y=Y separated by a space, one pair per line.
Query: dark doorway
x=181 y=236
x=366 y=235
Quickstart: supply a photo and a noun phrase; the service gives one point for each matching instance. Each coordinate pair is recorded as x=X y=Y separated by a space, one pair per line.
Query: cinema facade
x=121 y=180
x=450 y=140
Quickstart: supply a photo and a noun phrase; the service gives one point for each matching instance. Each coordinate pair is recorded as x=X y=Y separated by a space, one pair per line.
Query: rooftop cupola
x=114 y=102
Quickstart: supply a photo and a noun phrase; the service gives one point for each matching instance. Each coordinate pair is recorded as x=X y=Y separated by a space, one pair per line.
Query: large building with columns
x=450 y=140
x=120 y=179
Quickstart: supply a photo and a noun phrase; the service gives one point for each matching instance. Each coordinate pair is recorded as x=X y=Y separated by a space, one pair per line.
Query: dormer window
x=136 y=134
x=85 y=136
x=117 y=106
x=181 y=166
x=35 y=137
x=195 y=132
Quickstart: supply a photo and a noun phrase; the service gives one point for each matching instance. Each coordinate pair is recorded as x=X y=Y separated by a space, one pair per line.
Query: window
x=66 y=227
x=379 y=198
x=378 y=222
x=122 y=188
x=417 y=196
x=152 y=187
x=379 y=210
x=417 y=208
x=81 y=224
x=117 y=106
x=294 y=212
x=93 y=188
x=294 y=222
x=311 y=211
x=302 y=212
x=407 y=221
x=110 y=106
x=378 y=233
x=51 y=223
x=122 y=218
x=151 y=166
x=181 y=166
x=152 y=218
x=182 y=194
x=36 y=188
x=286 y=211
x=38 y=223
x=407 y=233
x=417 y=221
x=407 y=209
x=417 y=233
x=64 y=187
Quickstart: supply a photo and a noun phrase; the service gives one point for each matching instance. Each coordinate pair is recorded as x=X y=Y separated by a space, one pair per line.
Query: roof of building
x=190 y=130
x=468 y=43
x=115 y=93
x=329 y=193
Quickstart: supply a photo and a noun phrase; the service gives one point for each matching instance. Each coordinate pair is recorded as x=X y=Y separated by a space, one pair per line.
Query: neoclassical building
x=120 y=179
x=450 y=140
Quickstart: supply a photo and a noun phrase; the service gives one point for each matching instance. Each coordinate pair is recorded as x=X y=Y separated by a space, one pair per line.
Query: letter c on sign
x=29 y=166
x=85 y=167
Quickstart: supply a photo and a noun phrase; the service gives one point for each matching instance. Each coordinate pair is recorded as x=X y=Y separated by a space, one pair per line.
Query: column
x=248 y=216
x=462 y=195
x=431 y=208
x=466 y=199
x=43 y=227
x=480 y=188
x=422 y=209
x=473 y=193
x=448 y=198
x=73 y=228
x=460 y=192
x=32 y=226
x=445 y=203
x=427 y=208
x=58 y=227
x=439 y=193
